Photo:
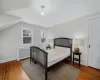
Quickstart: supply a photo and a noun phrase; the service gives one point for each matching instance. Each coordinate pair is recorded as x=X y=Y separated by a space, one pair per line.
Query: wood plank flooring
x=13 y=71
x=87 y=73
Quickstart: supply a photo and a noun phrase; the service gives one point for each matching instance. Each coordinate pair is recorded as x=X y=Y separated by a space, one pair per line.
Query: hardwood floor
x=86 y=73
x=13 y=71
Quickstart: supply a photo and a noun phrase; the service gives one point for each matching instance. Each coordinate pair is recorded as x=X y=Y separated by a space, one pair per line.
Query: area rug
x=62 y=72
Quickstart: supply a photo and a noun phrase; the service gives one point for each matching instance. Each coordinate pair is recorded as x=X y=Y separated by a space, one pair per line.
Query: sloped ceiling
x=10 y=5
x=56 y=11
x=7 y=20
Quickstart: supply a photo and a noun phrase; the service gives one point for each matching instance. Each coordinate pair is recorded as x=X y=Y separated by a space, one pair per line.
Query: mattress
x=57 y=54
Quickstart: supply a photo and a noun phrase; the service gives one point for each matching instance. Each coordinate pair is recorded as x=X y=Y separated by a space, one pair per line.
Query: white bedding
x=57 y=54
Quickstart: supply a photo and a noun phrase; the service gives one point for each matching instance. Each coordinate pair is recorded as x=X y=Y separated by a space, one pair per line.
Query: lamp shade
x=50 y=41
x=77 y=41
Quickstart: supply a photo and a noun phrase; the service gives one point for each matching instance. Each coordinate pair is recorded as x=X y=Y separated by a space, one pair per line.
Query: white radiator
x=23 y=53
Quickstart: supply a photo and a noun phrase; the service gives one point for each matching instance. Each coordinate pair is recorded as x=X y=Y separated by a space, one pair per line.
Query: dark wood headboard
x=63 y=42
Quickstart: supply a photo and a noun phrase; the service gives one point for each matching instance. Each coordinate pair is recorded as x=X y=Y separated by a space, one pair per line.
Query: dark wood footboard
x=39 y=56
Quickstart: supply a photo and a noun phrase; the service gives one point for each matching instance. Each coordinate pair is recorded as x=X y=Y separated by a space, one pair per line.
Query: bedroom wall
x=72 y=29
x=10 y=40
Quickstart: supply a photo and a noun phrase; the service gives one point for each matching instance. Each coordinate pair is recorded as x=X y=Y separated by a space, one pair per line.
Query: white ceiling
x=10 y=5
x=7 y=20
x=56 y=11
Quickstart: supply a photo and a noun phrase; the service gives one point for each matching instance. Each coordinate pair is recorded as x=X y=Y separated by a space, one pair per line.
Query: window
x=27 y=36
x=43 y=37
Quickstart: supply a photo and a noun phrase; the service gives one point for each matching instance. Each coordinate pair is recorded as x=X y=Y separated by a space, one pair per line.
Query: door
x=94 y=41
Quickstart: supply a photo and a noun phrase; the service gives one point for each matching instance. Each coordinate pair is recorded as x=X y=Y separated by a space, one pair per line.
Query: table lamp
x=77 y=42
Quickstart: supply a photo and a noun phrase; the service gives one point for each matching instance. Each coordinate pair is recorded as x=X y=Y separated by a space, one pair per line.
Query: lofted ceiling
x=7 y=20
x=10 y=5
x=56 y=11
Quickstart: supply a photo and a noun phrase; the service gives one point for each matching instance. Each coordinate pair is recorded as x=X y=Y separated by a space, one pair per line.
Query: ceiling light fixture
x=42 y=7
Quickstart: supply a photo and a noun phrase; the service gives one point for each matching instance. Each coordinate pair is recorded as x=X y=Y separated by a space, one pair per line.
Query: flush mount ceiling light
x=42 y=8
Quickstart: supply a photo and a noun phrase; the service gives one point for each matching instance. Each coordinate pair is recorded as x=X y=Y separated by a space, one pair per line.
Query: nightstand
x=77 y=59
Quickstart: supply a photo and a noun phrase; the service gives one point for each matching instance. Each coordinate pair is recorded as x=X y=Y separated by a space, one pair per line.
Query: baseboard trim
x=7 y=60
x=22 y=58
x=82 y=62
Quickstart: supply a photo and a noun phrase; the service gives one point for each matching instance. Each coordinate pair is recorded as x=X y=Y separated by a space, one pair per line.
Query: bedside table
x=77 y=59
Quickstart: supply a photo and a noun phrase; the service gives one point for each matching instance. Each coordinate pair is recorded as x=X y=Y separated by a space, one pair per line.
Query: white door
x=94 y=41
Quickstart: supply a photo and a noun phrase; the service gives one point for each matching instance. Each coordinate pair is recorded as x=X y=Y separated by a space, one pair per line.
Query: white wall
x=10 y=39
x=71 y=29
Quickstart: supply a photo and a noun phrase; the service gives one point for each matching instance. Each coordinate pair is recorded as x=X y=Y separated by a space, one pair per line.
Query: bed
x=49 y=58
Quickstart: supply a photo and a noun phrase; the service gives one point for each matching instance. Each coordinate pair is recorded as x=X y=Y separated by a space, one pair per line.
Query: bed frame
x=40 y=56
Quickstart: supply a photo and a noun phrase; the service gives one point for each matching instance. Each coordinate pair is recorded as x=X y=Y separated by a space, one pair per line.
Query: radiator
x=23 y=53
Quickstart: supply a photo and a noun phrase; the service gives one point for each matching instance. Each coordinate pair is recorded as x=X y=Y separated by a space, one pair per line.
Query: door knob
x=89 y=46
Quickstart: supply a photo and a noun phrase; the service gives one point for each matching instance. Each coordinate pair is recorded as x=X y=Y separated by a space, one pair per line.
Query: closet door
x=94 y=41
